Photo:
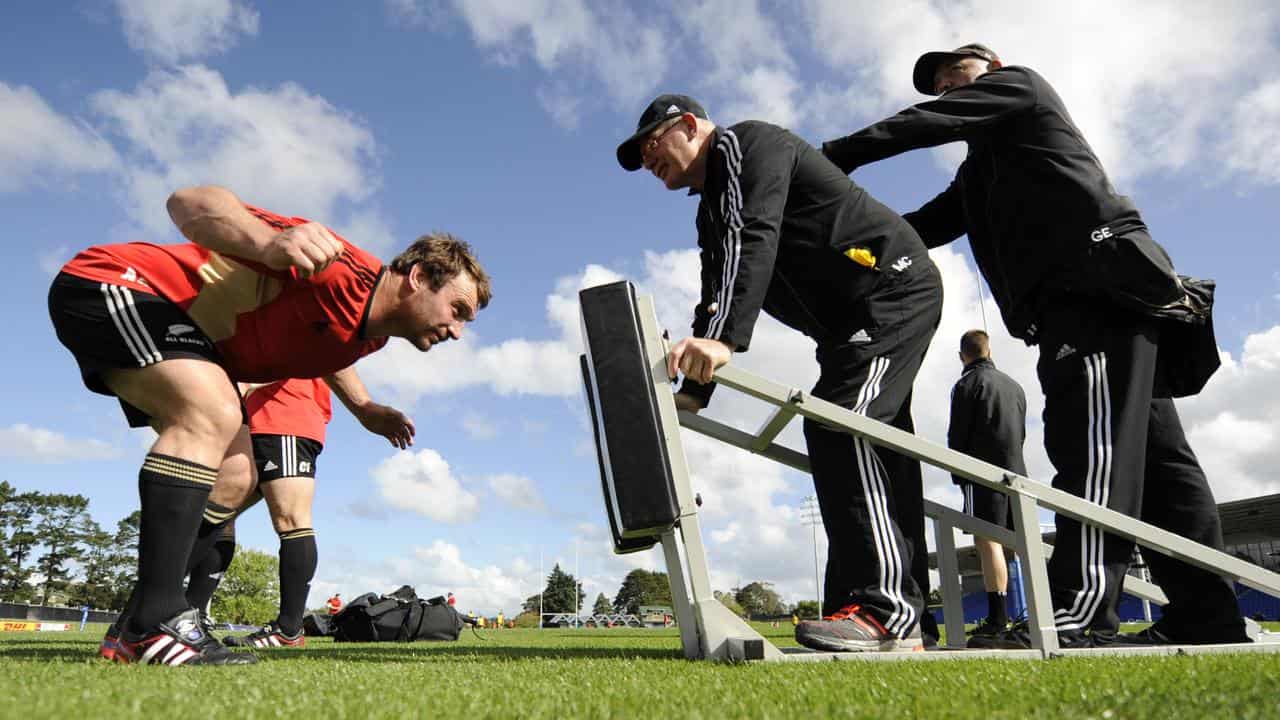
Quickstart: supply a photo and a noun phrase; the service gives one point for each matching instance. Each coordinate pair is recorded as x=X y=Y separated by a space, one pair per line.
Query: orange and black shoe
x=110 y=643
x=853 y=629
x=270 y=636
x=178 y=641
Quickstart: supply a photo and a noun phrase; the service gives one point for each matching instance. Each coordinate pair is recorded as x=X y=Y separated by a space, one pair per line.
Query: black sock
x=297 y=567
x=174 y=492
x=212 y=524
x=208 y=572
x=996 y=611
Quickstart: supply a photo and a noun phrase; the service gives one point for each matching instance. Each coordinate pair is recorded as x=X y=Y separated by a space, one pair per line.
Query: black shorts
x=984 y=503
x=108 y=327
x=282 y=456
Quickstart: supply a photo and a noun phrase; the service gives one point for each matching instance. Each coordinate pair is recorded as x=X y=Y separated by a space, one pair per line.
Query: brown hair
x=975 y=344
x=442 y=257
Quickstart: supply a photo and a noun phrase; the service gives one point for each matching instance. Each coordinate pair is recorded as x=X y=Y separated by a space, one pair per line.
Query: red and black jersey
x=267 y=324
x=298 y=407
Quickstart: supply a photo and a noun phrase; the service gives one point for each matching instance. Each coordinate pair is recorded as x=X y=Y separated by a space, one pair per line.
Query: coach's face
x=439 y=315
x=671 y=154
x=952 y=74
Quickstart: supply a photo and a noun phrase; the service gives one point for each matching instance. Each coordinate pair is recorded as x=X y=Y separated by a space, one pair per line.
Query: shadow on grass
x=407 y=652
x=50 y=653
x=372 y=653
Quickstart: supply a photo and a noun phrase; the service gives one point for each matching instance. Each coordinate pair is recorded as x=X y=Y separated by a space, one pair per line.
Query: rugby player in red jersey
x=255 y=297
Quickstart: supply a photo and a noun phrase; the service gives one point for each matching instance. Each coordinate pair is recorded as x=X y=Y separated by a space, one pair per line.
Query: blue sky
x=497 y=121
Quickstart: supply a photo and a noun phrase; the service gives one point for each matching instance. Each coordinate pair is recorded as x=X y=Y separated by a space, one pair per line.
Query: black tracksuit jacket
x=775 y=222
x=988 y=417
x=1041 y=215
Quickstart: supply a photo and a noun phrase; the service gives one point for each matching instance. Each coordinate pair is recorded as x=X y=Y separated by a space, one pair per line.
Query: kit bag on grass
x=399 y=616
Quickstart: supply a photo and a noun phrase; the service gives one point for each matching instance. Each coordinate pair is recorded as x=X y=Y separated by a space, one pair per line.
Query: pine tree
x=124 y=558
x=602 y=606
x=60 y=517
x=22 y=512
x=759 y=598
x=96 y=589
x=563 y=593
x=642 y=587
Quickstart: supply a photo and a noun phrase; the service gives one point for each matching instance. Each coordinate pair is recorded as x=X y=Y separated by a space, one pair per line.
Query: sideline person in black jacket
x=989 y=422
x=1073 y=269
x=782 y=229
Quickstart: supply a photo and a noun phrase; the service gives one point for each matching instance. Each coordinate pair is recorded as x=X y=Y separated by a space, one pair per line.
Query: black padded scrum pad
x=636 y=470
x=621 y=545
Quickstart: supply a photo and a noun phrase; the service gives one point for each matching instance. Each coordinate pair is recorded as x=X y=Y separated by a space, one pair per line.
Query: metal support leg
x=949 y=583
x=1044 y=635
x=680 y=596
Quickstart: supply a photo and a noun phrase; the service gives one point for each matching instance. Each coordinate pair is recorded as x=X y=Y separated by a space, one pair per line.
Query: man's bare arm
x=378 y=419
x=213 y=217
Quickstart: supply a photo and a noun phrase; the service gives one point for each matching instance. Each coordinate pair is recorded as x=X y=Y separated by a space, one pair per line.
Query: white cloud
x=175 y=30
x=1233 y=424
x=285 y=149
x=39 y=146
x=25 y=443
x=1252 y=145
x=604 y=42
x=423 y=483
x=479 y=426
x=517 y=491
x=442 y=567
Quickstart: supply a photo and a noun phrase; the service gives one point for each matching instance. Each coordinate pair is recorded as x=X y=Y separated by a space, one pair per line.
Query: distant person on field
x=989 y=422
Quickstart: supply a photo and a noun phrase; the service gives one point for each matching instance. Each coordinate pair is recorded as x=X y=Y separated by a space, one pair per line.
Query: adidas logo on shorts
x=1065 y=351
x=270 y=466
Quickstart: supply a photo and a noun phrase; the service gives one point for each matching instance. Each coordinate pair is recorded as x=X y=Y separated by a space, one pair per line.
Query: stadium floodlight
x=810 y=515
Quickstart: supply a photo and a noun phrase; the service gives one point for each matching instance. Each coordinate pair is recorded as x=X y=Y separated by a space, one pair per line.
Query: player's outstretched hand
x=309 y=247
x=388 y=422
x=697 y=358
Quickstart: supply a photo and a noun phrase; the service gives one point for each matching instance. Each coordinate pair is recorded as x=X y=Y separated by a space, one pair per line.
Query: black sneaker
x=180 y=640
x=985 y=630
x=1018 y=637
x=1157 y=635
x=853 y=629
x=270 y=636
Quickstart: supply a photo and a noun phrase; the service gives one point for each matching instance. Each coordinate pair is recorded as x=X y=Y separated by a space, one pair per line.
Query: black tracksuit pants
x=1114 y=438
x=871 y=499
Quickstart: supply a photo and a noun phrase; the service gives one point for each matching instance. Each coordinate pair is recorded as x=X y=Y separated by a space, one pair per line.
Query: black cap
x=663 y=108
x=928 y=63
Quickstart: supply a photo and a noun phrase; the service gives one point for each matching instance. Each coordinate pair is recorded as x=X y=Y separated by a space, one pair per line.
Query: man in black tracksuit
x=1073 y=269
x=782 y=229
x=989 y=422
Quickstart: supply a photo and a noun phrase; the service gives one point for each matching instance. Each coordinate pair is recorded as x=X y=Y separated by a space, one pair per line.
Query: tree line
x=647 y=588
x=53 y=552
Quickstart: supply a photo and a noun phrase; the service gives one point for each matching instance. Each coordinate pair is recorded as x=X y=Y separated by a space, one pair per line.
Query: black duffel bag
x=400 y=616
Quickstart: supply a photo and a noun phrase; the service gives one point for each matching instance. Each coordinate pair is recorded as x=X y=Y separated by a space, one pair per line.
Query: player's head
x=670 y=141
x=974 y=345
x=941 y=70
x=443 y=289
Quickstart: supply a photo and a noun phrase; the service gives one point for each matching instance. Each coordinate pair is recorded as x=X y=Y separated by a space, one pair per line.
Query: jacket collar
x=978 y=364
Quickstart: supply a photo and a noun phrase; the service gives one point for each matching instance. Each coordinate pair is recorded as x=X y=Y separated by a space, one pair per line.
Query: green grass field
x=617 y=674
